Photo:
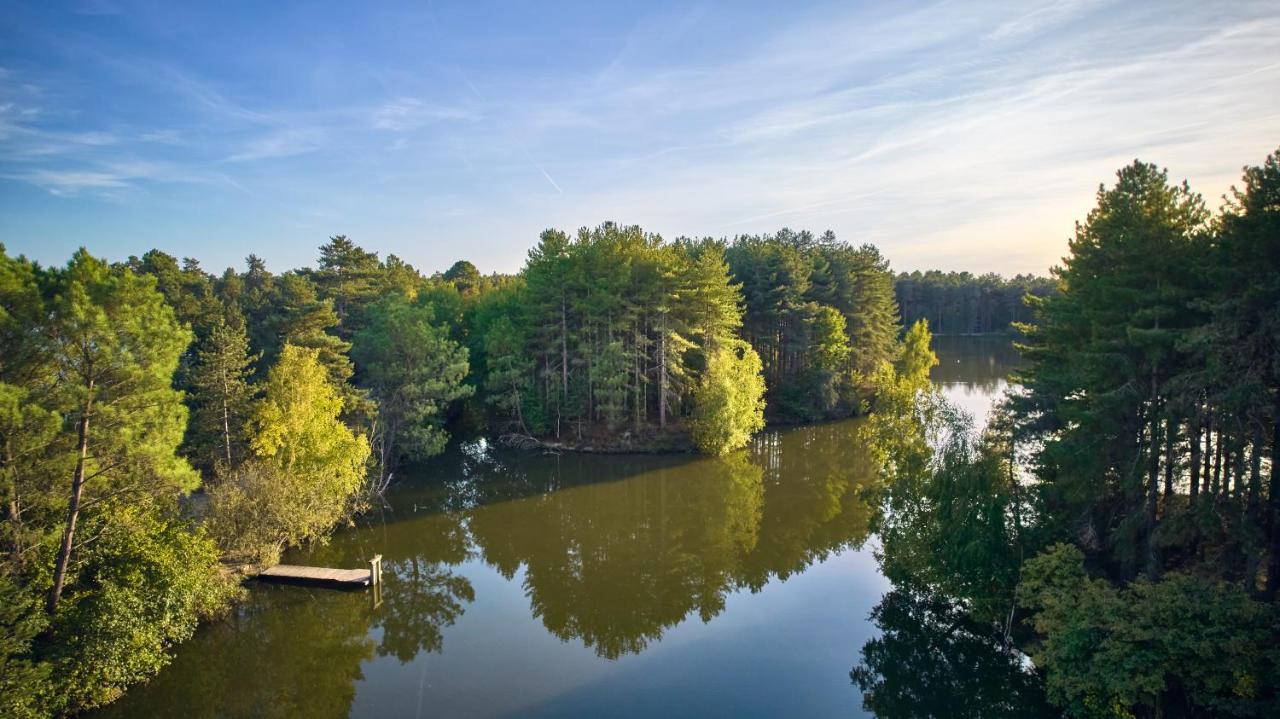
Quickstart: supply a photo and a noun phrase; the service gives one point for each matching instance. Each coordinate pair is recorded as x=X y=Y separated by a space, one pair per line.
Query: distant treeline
x=957 y=303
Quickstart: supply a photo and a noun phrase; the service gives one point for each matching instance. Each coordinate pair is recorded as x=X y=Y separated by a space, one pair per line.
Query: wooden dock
x=326 y=575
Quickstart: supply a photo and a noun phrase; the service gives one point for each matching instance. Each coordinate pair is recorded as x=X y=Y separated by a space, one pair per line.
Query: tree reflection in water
x=950 y=534
x=283 y=653
x=933 y=659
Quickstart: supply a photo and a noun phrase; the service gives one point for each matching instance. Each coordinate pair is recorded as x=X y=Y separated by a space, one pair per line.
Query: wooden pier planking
x=318 y=575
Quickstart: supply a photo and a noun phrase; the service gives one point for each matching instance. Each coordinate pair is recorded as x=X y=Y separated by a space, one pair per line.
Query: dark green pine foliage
x=958 y=303
x=1104 y=354
x=789 y=282
x=1151 y=404
x=1243 y=349
x=414 y=372
x=220 y=395
x=349 y=277
x=616 y=326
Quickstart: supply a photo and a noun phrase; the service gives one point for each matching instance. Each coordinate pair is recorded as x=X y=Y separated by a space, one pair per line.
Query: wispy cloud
x=280 y=143
x=407 y=113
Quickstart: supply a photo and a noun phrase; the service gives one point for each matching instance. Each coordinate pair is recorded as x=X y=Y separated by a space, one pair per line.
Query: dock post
x=375 y=570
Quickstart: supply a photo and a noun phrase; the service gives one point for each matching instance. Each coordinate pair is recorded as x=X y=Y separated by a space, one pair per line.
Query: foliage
x=414 y=371
x=792 y=282
x=729 y=400
x=23 y=679
x=151 y=581
x=1184 y=643
x=507 y=381
x=915 y=357
x=309 y=468
x=222 y=395
x=91 y=427
x=1151 y=399
x=962 y=303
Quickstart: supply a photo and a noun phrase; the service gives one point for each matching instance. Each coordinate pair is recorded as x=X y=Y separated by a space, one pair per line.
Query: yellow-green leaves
x=729 y=400
x=310 y=465
x=915 y=358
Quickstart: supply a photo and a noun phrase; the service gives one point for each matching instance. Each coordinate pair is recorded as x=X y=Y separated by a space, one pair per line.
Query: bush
x=1184 y=644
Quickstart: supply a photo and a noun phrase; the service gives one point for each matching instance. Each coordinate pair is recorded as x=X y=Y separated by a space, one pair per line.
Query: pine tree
x=414 y=371
x=221 y=395
x=1244 y=336
x=508 y=373
x=349 y=276
x=117 y=343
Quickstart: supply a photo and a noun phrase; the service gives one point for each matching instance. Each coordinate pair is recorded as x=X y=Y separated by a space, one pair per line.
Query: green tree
x=222 y=394
x=508 y=374
x=915 y=357
x=308 y=468
x=148 y=581
x=117 y=344
x=1243 y=347
x=1177 y=644
x=349 y=278
x=464 y=276
x=1104 y=354
x=729 y=400
x=414 y=371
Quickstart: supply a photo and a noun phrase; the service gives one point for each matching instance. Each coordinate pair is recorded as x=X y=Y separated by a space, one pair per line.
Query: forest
x=1119 y=517
x=166 y=430
x=959 y=303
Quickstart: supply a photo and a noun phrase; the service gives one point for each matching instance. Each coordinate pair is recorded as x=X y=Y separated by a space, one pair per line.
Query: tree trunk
x=1273 y=504
x=1153 y=495
x=1195 y=457
x=226 y=421
x=1255 y=472
x=1170 y=461
x=662 y=376
x=1217 y=464
x=73 y=507
x=564 y=355
x=1238 y=473
x=1208 y=452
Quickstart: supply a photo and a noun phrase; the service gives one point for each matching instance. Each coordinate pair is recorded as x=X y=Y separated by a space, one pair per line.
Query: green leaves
x=1109 y=649
x=308 y=469
x=729 y=400
x=89 y=430
x=152 y=581
x=414 y=371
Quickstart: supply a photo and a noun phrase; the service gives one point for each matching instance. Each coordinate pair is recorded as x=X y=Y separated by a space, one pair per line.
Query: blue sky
x=952 y=135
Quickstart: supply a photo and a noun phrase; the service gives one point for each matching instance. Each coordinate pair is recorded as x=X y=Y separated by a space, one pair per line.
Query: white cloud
x=280 y=143
x=407 y=113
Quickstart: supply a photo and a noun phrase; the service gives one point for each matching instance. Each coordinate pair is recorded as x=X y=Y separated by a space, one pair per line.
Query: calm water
x=551 y=585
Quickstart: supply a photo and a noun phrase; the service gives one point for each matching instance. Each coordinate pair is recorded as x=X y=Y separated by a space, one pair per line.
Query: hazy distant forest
x=162 y=426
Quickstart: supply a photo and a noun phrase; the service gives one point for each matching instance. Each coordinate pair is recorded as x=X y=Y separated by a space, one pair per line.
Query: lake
x=580 y=585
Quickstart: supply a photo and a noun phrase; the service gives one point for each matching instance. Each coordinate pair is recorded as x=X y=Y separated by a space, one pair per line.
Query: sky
x=952 y=135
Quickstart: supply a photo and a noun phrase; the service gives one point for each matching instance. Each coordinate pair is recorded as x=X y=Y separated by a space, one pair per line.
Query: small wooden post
x=375 y=570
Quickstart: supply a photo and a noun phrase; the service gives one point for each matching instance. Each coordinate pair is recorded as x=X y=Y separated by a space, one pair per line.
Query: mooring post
x=375 y=570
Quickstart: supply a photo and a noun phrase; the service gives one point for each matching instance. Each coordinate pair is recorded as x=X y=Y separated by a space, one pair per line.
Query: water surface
x=553 y=585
